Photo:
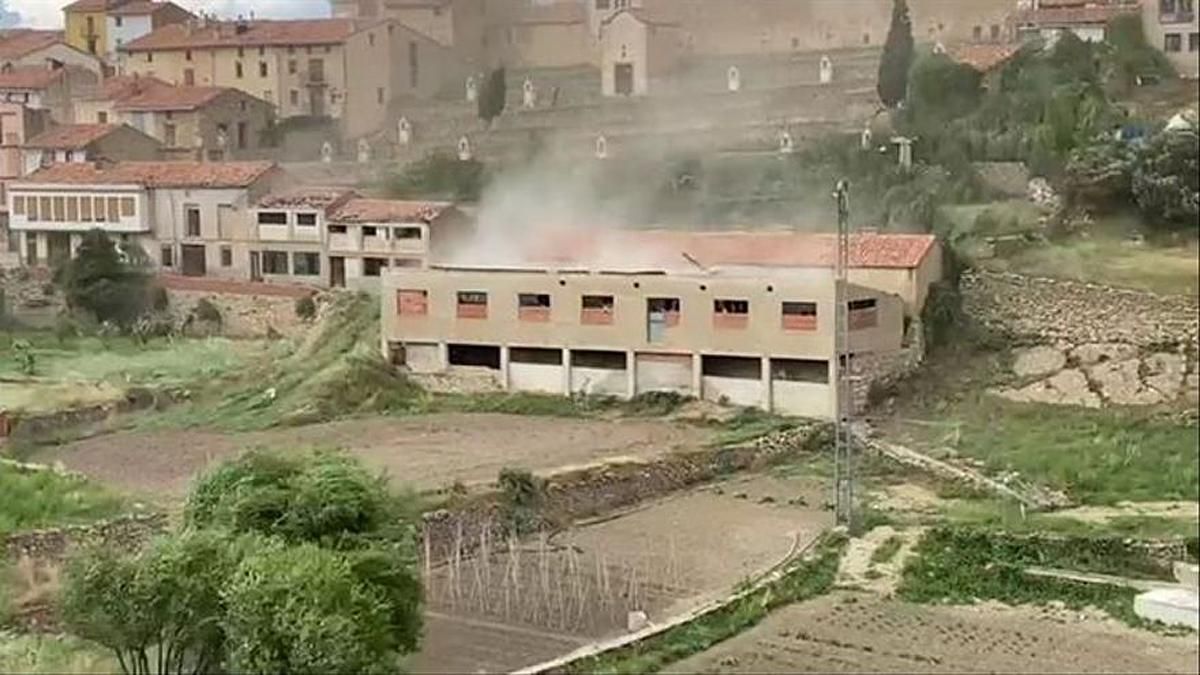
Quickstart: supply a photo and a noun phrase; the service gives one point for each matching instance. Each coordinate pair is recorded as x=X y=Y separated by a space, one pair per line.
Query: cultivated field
x=854 y=633
x=424 y=452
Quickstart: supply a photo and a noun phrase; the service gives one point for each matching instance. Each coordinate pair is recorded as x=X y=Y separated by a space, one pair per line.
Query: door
x=337 y=272
x=623 y=79
x=58 y=248
x=193 y=258
x=255 y=266
x=189 y=77
x=316 y=102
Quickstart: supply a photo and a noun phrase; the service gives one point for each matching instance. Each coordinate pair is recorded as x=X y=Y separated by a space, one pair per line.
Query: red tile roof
x=157 y=174
x=142 y=7
x=666 y=249
x=170 y=98
x=92 y=5
x=983 y=58
x=1071 y=16
x=388 y=211
x=71 y=136
x=121 y=86
x=309 y=197
x=29 y=77
x=15 y=44
x=257 y=33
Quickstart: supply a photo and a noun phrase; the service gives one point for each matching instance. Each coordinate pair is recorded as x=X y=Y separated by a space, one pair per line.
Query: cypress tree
x=897 y=57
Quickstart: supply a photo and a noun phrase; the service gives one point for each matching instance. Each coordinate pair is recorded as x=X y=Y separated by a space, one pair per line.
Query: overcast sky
x=48 y=13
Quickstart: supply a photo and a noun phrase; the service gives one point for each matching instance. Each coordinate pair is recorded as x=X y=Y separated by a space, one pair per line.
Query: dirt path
x=427 y=452
x=854 y=633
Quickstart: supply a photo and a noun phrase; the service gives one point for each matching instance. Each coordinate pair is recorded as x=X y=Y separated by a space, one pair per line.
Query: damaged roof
x=319 y=198
x=214 y=175
x=389 y=211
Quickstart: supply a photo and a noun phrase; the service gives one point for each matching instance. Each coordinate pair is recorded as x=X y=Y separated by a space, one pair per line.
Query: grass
x=886 y=551
x=1005 y=515
x=43 y=498
x=53 y=654
x=803 y=580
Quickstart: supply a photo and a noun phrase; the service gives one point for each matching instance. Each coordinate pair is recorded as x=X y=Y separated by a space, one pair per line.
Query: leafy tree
x=941 y=90
x=108 y=282
x=897 y=57
x=440 y=175
x=493 y=96
x=1166 y=180
x=1130 y=56
x=1099 y=176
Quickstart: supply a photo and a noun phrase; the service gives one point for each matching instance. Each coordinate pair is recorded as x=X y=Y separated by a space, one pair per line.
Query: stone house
x=46 y=48
x=550 y=36
x=475 y=30
x=1087 y=20
x=189 y=217
x=80 y=143
x=1174 y=27
x=86 y=24
x=49 y=88
x=346 y=70
x=636 y=48
x=131 y=20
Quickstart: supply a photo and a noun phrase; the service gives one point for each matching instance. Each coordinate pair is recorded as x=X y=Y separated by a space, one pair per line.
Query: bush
x=1166 y=181
x=941 y=90
x=440 y=175
x=306 y=308
x=107 y=282
x=522 y=496
x=1098 y=176
x=207 y=312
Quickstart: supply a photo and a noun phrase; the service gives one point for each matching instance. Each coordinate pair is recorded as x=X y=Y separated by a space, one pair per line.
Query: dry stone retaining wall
x=126 y=533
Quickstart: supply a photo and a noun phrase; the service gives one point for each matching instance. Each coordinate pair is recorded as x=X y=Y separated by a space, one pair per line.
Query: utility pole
x=843 y=449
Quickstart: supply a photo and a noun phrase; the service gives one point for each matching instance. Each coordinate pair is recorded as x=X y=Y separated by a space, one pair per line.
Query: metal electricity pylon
x=843 y=448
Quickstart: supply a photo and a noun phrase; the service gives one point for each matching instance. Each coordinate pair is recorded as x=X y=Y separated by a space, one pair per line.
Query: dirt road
x=426 y=452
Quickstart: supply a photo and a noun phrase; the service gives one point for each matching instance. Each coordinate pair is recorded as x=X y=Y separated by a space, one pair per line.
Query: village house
x=636 y=48
x=49 y=88
x=749 y=321
x=476 y=30
x=986 y=59
x=133 y=19
x=334 y=237
x=1086 y=19
x=86 y=23
x=189 y=217
x=344 y=69
x=68 y=143
x=1174 y=27
x=46 y=48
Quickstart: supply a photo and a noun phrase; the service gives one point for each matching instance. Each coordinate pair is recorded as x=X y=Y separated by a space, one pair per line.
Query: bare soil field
x=529 y=603
x=425 y=452
x=853 y=633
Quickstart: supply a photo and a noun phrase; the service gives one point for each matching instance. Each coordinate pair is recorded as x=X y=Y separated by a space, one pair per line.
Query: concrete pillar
x=768 y=403
x=444 y=356
x=833 y=387
x=630 y=374
x=566 y=371
x=504 y=367
x=698 y=376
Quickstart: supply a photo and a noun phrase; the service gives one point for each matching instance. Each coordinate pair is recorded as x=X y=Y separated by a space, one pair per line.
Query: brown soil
x=461 y=645
x=847 y=632
x=426 y=452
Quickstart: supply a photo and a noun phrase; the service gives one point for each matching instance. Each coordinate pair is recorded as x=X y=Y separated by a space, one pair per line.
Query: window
x=292 y=67
x=169 y=135
x=32 y=206
x=337 y=229
x=98 y=209
x=167 y=256
x=1194 y=42
x=800 y=316
x=371 y=39
x=192 y=220
x=237 y=70
x=18 y=206
x=731 y=314
x=85 y=209
x=119 y=21
x=241 y=134
x=272 y=218
x=406 y=233
x=407 y=262
x=262 y=69
x=187 y=54
x=533 y=307
x=306 y=264
x=373 y=267
x=241 y=52
x=46 y=208
x=379 y=95
x=596 y=310
x=369 y=231
x=306 y=219
x=412 y=302
x=862 y=314
x=661 y=314
x=977 y=33
x=149 y=57
x=60 y=209
x=275 y=262
x=1172 y=42
x=73 y=209
x=472 y=305
x=995 y=32
x=127 y=207
x=226 y=256
x=414 y=65
x=102 y=117
x=294 y=97
x=189 y=77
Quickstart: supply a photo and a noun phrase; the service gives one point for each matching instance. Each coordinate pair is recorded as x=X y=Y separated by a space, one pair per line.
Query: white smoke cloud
x=48 y=13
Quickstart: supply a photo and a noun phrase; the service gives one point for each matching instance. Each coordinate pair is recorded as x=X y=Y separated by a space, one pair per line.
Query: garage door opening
x=600 y=360
x=475 y=356
x=800 y=370
x=736 y=367
x=541 y=357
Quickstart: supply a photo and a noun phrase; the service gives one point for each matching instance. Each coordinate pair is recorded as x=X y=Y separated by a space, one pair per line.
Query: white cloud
x=48 y=13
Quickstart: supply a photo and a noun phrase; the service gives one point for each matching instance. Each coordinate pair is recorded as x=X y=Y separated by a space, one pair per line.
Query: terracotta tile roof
x=319 y=198
x=29 y=77
x=170 y=98
x=71 y=136
x=665 y=249
x=20 y=42
x=1072 y=16
x=157 y=174
x=983 y=58
x=121 y=86
x=559 y=12
x=388 y=211
x=92 y=5
x=257 y=33
x=142 y=7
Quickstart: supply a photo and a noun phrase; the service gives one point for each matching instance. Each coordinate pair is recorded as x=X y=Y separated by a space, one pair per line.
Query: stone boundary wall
x=886 y=369
x=42 y=426
x=1043 y=310
x=248 y=309
x=126 y=533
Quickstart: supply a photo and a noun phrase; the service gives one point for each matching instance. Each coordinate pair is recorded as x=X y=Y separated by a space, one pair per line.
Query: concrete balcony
x=300 y=233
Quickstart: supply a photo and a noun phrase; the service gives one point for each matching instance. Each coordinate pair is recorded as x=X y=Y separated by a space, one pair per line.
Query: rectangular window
x=533 y=307
x=1172 y=42
x=731 y=314
x=412 y=302
x=73 y=209
x=306 y=264
x=226 y=256
x=18 y=206
x=292 y=67
x=272 y=218
x=863 y=314
x=664 y=309
x=337 y=229
x=192 y=220
x=1194 y=42
x=369 y=231
x=275 y=262
x=406 y=233
x=169 y=137
x=800 y=316
x=379 y=95
x=414 y=65
x=597 y=310
x=46 y=207
x=406 y=262
x=472 y=305
x=85 y=209
x=102 y=117
x=167 y=256
x=373 y=267
x=294 y=97
x=32 y=205
x=262 y=69
x=114 y=209
x=306 y=219
x=60 y=209
x=237 y=70
x=127 y=207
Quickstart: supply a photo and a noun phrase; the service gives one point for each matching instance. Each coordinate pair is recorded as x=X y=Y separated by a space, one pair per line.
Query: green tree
x=941 y=90
x=897 y=57
x=106 y=281
x=440 y=175
x=1166 y=180
x=493 y=96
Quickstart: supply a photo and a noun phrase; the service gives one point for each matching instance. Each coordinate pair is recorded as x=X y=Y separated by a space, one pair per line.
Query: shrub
x=1166 y=180
x=1098 y=176
x=306 y=308
x=104 y=281
x=440 y=175
x=24 y=357
x=160 y=300
x=522 y=496
x=206 y=311
x=940 y=90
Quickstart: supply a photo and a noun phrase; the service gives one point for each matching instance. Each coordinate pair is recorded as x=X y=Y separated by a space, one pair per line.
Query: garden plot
x=852 y=633
x=551 y=594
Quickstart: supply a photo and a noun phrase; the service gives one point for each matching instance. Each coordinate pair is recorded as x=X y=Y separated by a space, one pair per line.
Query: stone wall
x=1040 y=310
x=883 y=370
x=248 y=310
x=125 y=533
